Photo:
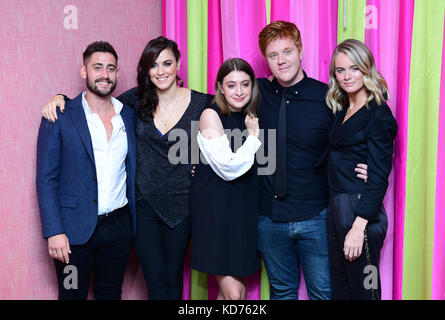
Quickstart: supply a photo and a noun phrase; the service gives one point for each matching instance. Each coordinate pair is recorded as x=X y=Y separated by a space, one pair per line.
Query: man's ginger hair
x=279 y=30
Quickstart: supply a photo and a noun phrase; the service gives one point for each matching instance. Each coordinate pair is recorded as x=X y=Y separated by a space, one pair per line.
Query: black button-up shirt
x=308 y=121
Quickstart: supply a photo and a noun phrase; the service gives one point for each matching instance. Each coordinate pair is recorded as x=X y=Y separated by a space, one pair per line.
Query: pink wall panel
x=41 y=50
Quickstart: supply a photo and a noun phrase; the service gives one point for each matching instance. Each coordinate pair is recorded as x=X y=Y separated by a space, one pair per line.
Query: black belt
x=113 y=214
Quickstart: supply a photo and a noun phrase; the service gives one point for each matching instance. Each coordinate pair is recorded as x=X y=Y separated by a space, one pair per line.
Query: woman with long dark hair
x=163 y=227
x=166 y=113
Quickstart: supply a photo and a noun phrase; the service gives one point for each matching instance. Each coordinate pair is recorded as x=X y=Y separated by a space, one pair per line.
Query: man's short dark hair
x=98 y=46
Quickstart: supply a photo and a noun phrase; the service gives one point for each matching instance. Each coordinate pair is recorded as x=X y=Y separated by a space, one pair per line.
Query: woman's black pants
x=161 y=252
x=359 y=279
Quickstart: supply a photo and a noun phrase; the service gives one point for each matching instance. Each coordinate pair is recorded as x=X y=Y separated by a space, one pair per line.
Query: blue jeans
x=286 y=245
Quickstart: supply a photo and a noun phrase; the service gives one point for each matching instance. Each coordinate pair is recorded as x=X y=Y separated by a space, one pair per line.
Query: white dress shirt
x=109 y=158
x=225 y=163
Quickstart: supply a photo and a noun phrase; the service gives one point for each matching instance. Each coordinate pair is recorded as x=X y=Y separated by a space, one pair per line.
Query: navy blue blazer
x=66 y=173
x=366 y=137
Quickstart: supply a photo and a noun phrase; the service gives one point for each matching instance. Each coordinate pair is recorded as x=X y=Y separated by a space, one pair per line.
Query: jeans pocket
x=323 y=213
x=262 y=220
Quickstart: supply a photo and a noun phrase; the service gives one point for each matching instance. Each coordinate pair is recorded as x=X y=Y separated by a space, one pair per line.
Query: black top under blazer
x=366 y=137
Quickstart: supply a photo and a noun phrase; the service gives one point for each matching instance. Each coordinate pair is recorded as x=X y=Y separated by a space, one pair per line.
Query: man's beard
x=95 y=89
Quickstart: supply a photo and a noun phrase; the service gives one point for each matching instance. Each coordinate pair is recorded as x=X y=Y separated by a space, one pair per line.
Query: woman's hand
x=49 y=110
x=362 y=171
x=252 y=125
x=353 y=245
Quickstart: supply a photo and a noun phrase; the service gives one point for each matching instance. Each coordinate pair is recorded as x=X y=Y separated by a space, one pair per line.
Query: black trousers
x=105 y=255
x=359 y=279
x=161 y=252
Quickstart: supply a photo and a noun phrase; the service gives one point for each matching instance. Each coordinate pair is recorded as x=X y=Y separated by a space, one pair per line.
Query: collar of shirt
x=278 y=88
x=117 y=105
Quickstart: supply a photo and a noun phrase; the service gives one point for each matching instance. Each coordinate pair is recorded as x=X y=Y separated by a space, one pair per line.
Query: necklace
x=165 y=121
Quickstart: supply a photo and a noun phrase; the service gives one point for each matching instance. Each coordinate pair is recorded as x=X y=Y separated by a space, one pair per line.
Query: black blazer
x=366 y=137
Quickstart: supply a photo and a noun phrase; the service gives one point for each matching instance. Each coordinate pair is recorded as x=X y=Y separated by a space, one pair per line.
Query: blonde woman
x=363 y=132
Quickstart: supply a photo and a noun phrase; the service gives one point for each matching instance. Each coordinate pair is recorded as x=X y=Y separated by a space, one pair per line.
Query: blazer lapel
x=350 y=127
x=338 y=118
x=80 y=122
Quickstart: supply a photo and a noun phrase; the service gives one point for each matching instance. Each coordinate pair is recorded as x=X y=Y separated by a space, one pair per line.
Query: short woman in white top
x=223 y=195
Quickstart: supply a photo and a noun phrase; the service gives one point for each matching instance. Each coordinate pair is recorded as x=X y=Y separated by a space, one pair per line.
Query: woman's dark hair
x=147 y=90
x=236 y=64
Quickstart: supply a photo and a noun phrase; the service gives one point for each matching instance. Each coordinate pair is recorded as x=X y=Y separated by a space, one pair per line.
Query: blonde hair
x=373 y=81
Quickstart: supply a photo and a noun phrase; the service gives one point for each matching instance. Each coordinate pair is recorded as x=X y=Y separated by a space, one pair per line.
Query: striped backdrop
x=407 y=40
